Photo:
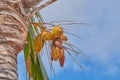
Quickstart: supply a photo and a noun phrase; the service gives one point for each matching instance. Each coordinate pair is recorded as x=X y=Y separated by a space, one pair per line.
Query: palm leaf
x=34 y=65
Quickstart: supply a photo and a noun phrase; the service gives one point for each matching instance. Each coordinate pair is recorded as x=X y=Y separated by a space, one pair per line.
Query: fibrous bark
x=13 y=34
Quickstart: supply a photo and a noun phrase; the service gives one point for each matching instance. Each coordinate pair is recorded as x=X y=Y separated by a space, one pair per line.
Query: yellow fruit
x=64 y=38
x=62 y=60
x=62 y=57
x=57 y=31
x=46 y=35
x=38 y=43
x=55 y=53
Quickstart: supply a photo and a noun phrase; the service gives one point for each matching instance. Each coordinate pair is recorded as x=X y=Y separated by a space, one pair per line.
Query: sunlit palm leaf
x=34 y=65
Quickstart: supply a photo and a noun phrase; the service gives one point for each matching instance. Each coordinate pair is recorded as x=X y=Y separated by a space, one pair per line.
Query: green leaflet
x=34 y=65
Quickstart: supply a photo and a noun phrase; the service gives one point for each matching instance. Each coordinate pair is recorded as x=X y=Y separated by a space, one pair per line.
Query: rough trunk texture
x=12 y=40
x=13 y=36
x=8 y=63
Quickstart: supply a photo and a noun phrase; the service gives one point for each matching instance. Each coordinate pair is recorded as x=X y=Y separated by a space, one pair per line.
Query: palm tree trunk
x=8 y=64
x=12 y=40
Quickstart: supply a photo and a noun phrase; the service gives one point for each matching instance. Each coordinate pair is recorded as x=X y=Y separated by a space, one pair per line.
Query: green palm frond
x=34 y=65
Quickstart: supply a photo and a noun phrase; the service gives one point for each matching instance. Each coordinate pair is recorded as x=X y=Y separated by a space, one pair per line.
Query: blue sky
x=100 y=40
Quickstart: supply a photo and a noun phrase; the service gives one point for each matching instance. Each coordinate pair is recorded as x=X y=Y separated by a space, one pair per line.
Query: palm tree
x=17 y=34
